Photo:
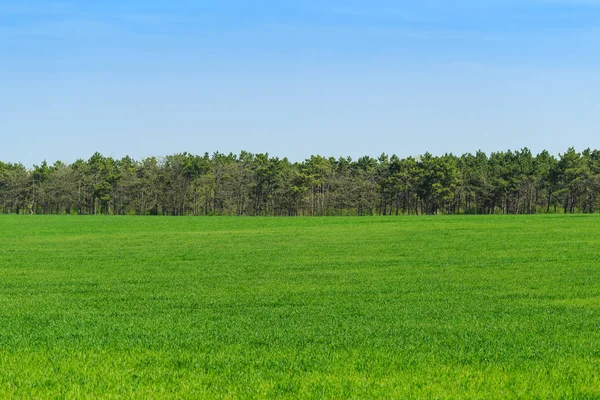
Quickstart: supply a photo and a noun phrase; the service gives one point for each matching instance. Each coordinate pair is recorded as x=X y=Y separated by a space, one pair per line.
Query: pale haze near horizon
x=336 y=78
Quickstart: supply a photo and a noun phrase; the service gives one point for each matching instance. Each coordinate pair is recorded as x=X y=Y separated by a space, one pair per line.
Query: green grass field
x=413 y=307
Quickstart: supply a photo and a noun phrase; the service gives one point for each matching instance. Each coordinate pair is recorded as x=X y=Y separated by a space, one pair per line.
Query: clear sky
x=297 y=77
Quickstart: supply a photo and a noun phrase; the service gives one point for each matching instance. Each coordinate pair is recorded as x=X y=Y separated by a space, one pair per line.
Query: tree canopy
x=511 y=182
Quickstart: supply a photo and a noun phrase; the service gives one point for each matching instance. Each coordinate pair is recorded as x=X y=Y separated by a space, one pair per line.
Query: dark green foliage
x=479 y=307
x=260 y=185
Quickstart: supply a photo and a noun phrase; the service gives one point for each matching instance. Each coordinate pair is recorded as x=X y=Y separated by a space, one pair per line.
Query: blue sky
x=295 y=78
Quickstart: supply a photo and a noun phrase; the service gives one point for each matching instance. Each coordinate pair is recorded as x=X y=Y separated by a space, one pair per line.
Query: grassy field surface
x=413 y=307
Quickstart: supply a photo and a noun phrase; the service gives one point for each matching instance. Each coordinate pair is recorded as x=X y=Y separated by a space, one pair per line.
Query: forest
x=508 y=182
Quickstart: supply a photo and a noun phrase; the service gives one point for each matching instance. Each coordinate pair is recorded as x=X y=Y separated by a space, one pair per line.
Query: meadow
x=373 y=307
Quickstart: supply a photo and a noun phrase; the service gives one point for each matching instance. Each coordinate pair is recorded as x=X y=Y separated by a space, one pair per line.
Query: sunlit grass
x=485 y=307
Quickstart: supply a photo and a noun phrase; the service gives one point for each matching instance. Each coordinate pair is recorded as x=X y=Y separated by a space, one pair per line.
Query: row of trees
x=512 y=182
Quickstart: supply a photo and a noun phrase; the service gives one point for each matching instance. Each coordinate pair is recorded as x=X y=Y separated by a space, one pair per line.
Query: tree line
x=510 y=182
